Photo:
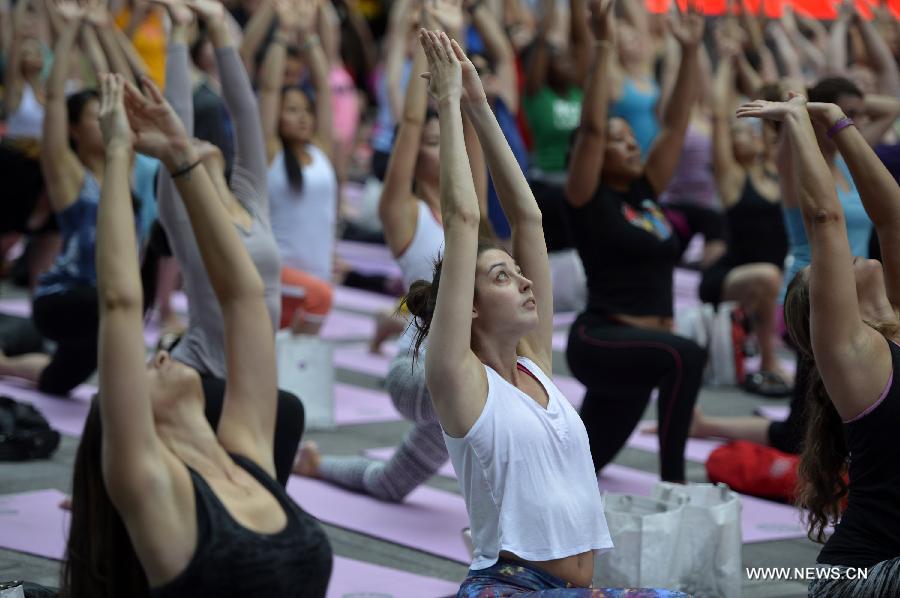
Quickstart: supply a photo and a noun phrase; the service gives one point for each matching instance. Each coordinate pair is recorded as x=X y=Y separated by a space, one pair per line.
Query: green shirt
x=552 y=119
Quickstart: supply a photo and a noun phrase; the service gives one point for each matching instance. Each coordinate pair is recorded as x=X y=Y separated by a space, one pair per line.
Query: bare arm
x=586 y=162
x=255 y=33
x=94 y=52
x=789 y=55
x=881 y=111
x=836 y=52
x=270 y=82
x=757 y=41
x=581 y=39
x=539 y=59
x=318 y=66
x=12 y=75
x=880 y=56
x=500 y=52
x=728 y=173
x=360 y=28
x=395 y=54
x=126 y=49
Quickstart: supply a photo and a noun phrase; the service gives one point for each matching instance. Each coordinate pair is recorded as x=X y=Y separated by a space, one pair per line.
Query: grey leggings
x=418 y=457
x=882 y=581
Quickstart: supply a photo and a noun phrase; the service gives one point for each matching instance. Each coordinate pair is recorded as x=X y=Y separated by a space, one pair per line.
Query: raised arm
x=728 y=173
x=853 y=358
x=397 y=208
x=455 y=377
x=790 y=58
x=662 y=158
x=101 y=30
x=580 y=35
x=538 y=62
x=768 y=70
x=881 y=111
x=63 y=172
x=880 y=56
x=586 y=162
x=877 y=189
x=12 y=73
x=255 y=34
x=519 y=205
x=395 y=43
x=248 y=416
x=317 y=63
x=94 y=52
x=836 y=51
x=499 y=51
x=272 y=78
x=127 y=49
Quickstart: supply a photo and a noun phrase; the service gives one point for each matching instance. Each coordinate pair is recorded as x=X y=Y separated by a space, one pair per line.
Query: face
x=170 y=381
x=623 y=155
x=629 y=43
x=428 y=161
x=32 y=58
x=746 y=141
x=206 y=58
x=504 y=298
x=86 y=132
x=298 y=123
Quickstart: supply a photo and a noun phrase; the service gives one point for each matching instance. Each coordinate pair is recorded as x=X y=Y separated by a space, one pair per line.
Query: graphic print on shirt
x=566 y=114
x=649 y=218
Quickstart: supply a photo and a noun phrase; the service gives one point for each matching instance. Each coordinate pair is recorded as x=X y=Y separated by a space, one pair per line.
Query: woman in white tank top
x=519 y=448
x=302 y=182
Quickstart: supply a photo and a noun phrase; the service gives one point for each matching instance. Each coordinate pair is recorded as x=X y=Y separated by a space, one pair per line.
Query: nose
x=524 y=284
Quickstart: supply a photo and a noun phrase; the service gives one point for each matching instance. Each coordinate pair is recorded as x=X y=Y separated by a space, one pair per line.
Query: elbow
x=119 y=298
x=461 y=218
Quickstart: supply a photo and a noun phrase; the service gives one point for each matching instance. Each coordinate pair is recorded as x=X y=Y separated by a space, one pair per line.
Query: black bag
x=24 y=433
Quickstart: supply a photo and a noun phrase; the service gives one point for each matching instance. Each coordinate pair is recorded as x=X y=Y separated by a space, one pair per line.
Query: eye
x=502 y=275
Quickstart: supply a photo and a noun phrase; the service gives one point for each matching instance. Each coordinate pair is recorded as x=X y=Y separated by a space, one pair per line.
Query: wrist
x=309 y=42
x=448 y=101
x=180 y=155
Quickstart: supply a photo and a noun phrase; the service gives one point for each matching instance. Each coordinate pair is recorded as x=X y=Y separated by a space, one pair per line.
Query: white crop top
x=304 y=222
x=28 y=120
x=417 y=262
x=527 y=476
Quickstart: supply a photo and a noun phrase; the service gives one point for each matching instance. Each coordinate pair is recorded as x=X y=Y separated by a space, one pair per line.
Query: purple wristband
x=839 y=126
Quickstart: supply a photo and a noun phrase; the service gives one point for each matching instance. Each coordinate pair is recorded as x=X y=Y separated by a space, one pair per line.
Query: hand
x=788 y=21
x=444 y=71
x=113 y=119
x=777 y=111
x=824 y=114
x=180 y=14
x=447 y=14
x=847 y=11
x=472 y=87
x=68 y=10
x=727 y=47
x=159 y=132
x=687 y=27
x=96 y=13
x=209 y=11
x=549 y=15
x=603 y=20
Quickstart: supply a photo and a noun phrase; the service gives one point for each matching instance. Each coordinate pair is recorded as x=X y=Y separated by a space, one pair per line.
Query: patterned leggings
x=510 y=579
x=882 y=581
x=418 y=457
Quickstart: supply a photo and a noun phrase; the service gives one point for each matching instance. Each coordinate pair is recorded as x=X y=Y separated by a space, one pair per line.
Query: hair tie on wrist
x=839 y=126
x=185 y=169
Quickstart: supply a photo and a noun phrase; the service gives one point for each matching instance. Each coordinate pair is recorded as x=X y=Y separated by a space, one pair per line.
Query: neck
x=186 y=432
x=497 y=351
x=95 y=162
x=298 y=148
x=431 y=195
x=617 y=182
x=755 y=167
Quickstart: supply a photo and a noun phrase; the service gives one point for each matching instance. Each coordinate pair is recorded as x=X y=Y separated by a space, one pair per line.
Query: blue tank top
x=859 y=229
x=638 y=108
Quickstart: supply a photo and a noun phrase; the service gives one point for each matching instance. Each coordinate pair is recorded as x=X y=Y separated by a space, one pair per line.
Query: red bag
x=754 y=469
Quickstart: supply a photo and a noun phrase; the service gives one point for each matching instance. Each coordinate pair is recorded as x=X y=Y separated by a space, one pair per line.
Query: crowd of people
x=518 y=158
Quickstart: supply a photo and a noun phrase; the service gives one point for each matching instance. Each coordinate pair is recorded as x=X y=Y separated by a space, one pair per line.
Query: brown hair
x=100 y=560
x=822 y=482
x=421 y=299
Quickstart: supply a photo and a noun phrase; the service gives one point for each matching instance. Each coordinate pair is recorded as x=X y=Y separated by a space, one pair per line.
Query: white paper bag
x=713 y=329
x=645 y=535
x=306 y=368
x=708 y=559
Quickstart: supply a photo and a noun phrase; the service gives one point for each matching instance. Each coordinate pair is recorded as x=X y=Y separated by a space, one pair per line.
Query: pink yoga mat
x=751 y=364
x=697 y=449
x=348 y=298
x=16 y=307
x=560 y=340
x=356 y=405
x=65 y=414
x=564 y=319
x=385 y=453
x=571 y=388
x=32 y=522
x=357 y=358
x=369 y=258
x=356 y=579
x=429 y=520
x=777 y=413
x=342 y=326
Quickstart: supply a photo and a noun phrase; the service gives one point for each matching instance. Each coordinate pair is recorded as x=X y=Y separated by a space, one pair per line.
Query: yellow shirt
x=150 y=42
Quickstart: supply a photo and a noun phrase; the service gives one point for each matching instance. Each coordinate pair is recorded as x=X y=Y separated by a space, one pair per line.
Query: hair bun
x=417 y=298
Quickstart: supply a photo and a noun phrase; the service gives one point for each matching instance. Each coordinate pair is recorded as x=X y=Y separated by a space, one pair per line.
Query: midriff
x=577 y=569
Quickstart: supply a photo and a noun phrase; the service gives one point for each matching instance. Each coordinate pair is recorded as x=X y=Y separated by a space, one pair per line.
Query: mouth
x=530 y=303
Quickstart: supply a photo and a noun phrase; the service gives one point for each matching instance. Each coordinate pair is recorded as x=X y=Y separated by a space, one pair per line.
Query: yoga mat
x=777 y=413
x=564 y=319
x=571 y=388
x=65 y=414
x=697 y=449
x=385 y=453
x=356 y=405
x=356 y=579
x=348 y=298
x=560 y=340
x=789 y=365
x=341 y=326
x=357 y=358
x=368 y=258
x=761 y=520
x=178 y=301
x=429 y=520
x=16 y=307
x=32 y=522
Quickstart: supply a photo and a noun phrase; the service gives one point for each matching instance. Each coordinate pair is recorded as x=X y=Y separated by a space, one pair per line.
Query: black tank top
x=869 y=530
x=231 y=561
x=756 y=230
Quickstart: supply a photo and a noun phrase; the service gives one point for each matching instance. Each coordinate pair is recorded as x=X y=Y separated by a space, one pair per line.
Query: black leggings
x=71 y=319
x=620 y=365
x=289 y=421
x=787 y=436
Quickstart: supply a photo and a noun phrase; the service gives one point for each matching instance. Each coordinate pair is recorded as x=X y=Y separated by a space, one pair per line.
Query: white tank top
x=527 y=476
x=417 y=262
x=28 y=120
x=304 y=222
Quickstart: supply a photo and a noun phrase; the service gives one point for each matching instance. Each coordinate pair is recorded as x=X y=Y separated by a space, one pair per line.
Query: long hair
x=292 y=167
x=75 y=105
x=100 y=560
x=822 y=478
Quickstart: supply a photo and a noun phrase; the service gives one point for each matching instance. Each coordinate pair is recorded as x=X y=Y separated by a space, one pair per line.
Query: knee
x=693 y=356
x=770 y=281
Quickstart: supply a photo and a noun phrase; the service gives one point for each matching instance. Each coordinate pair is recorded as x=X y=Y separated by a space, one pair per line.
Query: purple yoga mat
x=564 y=319
x=429 y=520
x=777 y=413
x=357 y=358
x=16 y=307
x=32 y=522
x=571 y=388
x=356 y=405
x=348 y=298
x=560 y=340
x=385 y=453
x=369 y=258
x=697 y=449
x=65 y=414
x=342 y=326
x=356 y=579
x=751 y=364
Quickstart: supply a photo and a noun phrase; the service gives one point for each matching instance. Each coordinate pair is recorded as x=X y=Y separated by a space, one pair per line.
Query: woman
x=244 y=196
x=750 y=271
x=161 y=504
x=841 y=312
x=622 y=346
x=509 y=431
x=302 y=182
